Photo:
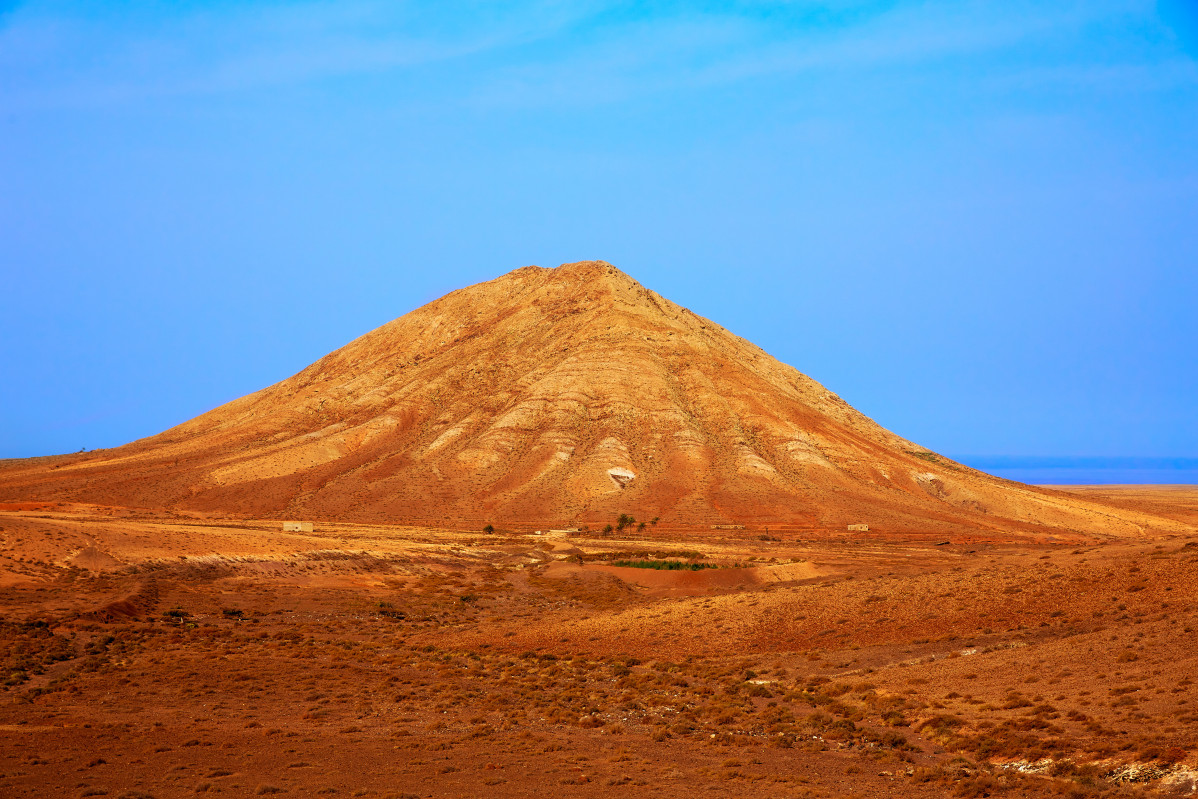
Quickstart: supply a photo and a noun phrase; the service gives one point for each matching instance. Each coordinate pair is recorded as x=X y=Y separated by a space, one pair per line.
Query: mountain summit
x=554 y=396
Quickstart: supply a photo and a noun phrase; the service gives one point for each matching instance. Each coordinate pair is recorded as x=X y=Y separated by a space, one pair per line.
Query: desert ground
x=164 y=654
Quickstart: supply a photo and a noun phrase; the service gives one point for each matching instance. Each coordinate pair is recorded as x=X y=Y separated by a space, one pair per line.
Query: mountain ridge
x=556 y=395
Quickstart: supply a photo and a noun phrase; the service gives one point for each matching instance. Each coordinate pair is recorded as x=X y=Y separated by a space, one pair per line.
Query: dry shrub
x=979 y=785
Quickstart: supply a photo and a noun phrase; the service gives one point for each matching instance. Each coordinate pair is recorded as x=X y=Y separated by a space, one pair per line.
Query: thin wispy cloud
x=54 y=58
x=688 y=52
x=1163 y=75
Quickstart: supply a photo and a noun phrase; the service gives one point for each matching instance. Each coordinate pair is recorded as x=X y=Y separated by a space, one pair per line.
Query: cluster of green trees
x=625 y=521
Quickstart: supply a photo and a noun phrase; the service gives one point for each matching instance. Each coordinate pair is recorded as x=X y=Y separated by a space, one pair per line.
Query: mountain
x=555 y=397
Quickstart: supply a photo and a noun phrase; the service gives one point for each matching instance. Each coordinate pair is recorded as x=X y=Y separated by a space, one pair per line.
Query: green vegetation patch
x=665 y=565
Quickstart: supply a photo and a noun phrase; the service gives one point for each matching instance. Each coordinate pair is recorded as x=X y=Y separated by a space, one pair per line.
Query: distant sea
x=1088 y=471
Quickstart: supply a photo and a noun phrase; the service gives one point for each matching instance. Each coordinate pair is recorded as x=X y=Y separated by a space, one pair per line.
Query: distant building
x=859 y=528
x=297 y=527
x=727 y=527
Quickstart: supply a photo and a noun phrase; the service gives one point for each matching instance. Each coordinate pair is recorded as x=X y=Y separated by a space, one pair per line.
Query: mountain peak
x=586 y=268
x=577 y=276
x=563 y=395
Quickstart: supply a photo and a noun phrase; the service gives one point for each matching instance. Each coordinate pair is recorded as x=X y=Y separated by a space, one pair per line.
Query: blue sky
x=976 y=221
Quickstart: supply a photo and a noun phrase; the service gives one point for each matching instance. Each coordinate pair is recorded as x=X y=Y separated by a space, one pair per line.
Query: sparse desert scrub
x=451 y=679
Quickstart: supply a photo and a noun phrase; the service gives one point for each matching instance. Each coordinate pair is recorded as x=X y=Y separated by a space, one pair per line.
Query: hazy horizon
x=1087 y=471
x=1060 y=470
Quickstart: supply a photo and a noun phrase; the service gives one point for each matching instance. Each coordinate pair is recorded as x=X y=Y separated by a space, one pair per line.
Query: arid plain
x=569 y=537
x=157 y=654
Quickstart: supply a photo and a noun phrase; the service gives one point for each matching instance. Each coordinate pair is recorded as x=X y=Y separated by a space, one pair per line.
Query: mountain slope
x=555 y=396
